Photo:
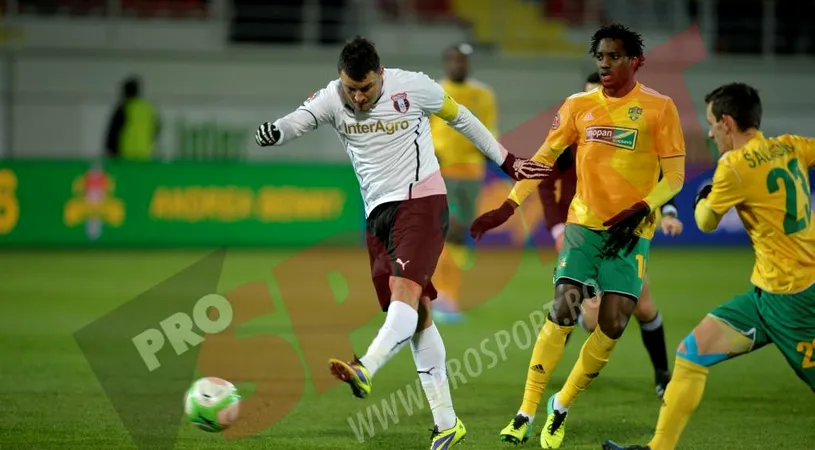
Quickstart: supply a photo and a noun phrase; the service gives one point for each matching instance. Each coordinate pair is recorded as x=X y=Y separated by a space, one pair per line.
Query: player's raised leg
x=745 y=324
x=779 y=309
x=404 y=242
x=653 y=338
x=395 y=333
x=730 y=330
x=430 y=357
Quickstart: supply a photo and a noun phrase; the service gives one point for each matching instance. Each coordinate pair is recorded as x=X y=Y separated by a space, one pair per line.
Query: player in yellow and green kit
x=625 y=132
x=767 y=181
x=463 y=167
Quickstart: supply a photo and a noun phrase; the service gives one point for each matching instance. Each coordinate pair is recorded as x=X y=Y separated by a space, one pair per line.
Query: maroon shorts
x=405 y=239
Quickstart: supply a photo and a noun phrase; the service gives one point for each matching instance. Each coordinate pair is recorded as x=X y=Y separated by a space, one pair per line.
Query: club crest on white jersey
x=401 y=102
x=390 y=145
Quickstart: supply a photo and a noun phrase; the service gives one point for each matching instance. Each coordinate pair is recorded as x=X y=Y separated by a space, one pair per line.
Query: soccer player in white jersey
x=382 y=116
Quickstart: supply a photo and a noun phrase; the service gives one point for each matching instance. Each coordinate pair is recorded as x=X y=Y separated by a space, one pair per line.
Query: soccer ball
x=212 y=404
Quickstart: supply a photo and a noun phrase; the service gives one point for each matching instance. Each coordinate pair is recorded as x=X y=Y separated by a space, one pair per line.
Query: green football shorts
x=786 y=320
x=580 y=260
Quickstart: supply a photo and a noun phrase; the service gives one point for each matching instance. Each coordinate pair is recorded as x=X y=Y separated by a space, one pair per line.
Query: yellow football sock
x=681 y=399
x=545 y=357
x=447 y=278
x=593 y=357
x=461 y=254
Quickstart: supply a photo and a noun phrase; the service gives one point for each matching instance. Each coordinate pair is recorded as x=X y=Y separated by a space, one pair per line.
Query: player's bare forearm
x=706 y=219
x=673 y=177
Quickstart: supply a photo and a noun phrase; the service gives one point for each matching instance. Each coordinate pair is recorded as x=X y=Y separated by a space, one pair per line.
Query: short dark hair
x=593 y=78
x=358 y=58
x=632 y=41
x=739 y=101
x=131 y=87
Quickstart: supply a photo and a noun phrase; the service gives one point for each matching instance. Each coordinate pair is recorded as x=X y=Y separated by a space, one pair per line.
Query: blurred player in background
x=381 y=116
x=767 y=181
x=556 y=193
x=626 y=134
x=463 y=167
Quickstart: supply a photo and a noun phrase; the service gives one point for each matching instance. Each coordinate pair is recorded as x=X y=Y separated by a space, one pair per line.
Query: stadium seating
x=531 y=31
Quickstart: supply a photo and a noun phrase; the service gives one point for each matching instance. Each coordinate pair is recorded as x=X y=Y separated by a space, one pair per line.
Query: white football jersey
x=390 y=145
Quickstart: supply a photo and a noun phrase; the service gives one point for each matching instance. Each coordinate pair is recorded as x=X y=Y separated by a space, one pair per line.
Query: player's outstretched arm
x=562 y=135
x=315 y=111
x=463 y=121
x=545 y=156
x=433 y=100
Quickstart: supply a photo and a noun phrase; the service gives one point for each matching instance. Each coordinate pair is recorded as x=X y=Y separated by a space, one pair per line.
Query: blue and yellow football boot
x=446 y=439
x=353 y=373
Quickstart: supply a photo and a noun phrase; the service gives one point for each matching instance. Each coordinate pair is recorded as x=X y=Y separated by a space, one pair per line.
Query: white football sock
x=559 y=406
x=531 y=418
x=399 y=327
x=430 y=357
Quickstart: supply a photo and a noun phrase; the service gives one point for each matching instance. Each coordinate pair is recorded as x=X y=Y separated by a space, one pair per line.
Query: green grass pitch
x=50 y=398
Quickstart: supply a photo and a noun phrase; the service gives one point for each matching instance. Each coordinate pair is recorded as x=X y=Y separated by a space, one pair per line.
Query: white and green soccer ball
x=212 y=404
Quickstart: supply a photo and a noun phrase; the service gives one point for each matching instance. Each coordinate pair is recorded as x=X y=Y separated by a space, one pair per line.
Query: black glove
x=524 y=169
x=703 y=194
x=492 y=219
x=267 y=135
x=621 y=230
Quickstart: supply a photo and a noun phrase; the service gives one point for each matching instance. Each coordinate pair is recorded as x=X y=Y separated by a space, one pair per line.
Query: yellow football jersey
x=767 y=182
x=619 y=145
x=458 y=157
